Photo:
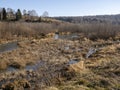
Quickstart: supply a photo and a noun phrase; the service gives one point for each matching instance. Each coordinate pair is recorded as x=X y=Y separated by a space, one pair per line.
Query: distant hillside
x=114 y=19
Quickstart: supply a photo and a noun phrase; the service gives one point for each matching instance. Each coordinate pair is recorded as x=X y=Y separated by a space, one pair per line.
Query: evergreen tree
x=4 y=14
x=18 y=15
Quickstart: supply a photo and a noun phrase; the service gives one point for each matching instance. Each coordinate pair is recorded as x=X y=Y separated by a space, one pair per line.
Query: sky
x=66 y=7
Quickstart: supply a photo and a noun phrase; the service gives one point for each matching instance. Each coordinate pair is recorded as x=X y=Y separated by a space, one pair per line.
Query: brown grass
x=15 y=29
x=92 y=31
x=103 y=74
x=3 y=64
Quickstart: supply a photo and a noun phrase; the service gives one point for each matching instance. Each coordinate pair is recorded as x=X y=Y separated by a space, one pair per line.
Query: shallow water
x=8 y=47
x=56 y=36
x=35 y=66
x=69 y=36
x=10 y=69
x=73 y=61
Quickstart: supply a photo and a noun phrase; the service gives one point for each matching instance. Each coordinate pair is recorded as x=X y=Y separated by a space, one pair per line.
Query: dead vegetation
x=99 y=71
x=13 y=30
x=55 y=71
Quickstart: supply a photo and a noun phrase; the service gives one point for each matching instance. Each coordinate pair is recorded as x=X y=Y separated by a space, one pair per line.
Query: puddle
x=67 y=47
x=73 y=61
x=8 y=47
x=35 y=66
x=74 y=36
x=56 y=36
x=70 y=36
x=11 y=69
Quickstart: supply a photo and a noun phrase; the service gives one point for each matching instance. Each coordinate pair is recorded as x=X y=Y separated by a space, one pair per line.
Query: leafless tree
x=10 y=13
x=24 y=12
x=1 y=13
x=32 y=13
x=45 y=14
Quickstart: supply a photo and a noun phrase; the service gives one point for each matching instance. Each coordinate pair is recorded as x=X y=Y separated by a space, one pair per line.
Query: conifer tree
x=4 y=14
x=18 y=15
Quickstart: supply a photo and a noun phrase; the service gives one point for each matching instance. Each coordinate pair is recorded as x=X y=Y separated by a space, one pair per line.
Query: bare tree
x=32 y=13
x=0 y=13
x=45 y=14
x=9 y=10
x=10 y=13
x=0 y=9
x=24 y=12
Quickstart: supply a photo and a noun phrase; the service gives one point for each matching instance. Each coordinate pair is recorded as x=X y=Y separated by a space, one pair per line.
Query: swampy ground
x=71 y=62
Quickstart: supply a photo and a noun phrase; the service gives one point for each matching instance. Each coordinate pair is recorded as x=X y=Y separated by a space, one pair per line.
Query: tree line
x=11 y=15
x=112 y=19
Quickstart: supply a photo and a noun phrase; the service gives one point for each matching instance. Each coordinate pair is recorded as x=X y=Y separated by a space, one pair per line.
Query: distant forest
x=111 y=19
x=10 y=14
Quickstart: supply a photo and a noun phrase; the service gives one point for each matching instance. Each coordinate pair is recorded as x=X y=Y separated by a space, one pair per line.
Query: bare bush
x=9 y=29
x=91 y=31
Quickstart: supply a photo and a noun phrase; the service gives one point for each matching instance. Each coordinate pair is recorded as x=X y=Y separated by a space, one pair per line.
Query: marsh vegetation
x=41 y=62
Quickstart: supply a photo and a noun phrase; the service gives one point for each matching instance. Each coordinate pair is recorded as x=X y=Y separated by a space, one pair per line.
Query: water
x=67 y=47
x=90 y=52
x=11 y=69
x=70 y=36
x=8 y=47
x=39 y=64
x=73 y=61
x=35 y=66
x=56 y=36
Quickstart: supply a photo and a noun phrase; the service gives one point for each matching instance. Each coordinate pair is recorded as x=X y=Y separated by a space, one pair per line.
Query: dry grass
x=9 y=30
x=93 y=32
x=57 y=74
x=3 y=64
x=99 y=72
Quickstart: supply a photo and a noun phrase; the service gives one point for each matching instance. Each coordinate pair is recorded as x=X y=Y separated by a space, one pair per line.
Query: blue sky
x=66 y=7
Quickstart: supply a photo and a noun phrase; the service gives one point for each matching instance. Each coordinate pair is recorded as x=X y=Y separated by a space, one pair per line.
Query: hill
x=114 y=19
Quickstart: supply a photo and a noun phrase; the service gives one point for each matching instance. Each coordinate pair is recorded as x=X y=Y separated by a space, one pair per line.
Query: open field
x=85 y=57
